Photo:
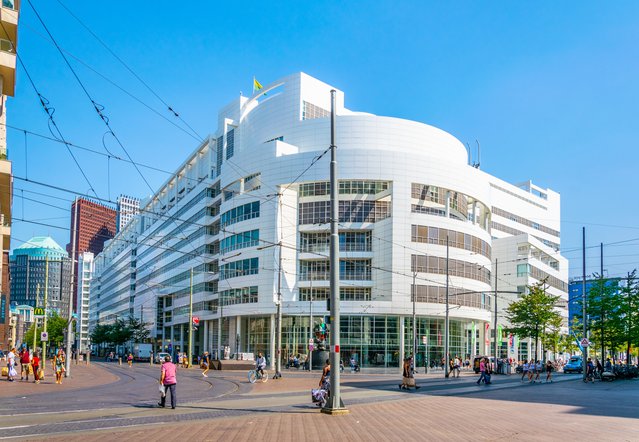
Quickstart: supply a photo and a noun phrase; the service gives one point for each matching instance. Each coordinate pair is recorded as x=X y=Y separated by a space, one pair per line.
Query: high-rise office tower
x=92 y=224
x=128 y=207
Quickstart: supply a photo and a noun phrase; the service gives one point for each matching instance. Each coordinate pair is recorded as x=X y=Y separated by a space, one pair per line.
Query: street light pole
x=414 y=323
x=190 y=353
x=310 y=326
x=73 y=274
x=46 y=294
x=334 y=404
x=583 y=306
x=495 y=331
x=446 y=324
x=278 y=319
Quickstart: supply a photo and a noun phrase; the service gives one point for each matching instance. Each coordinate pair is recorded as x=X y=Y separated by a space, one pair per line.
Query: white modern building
x=127 y=208
x=406 y=191
x=85 y=273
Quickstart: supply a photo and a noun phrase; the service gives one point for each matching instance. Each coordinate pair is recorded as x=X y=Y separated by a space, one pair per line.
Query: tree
x=56 y=327
x=533 y=313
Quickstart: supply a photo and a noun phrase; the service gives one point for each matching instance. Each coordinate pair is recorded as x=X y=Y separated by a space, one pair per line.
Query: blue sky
x=549 y=89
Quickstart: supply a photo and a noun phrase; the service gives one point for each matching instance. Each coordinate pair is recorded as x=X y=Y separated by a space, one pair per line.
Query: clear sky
x=548 y=88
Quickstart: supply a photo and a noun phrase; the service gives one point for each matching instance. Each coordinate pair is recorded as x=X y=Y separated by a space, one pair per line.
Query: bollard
x=119 y=360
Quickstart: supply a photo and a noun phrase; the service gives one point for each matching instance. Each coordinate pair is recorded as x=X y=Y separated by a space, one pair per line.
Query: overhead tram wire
x=114 y=84
x=49 y=111
x=128 y=68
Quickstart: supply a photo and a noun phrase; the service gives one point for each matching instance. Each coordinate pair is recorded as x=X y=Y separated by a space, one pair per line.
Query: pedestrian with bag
x=58 y=366
x=35 y=366
x=11 y=362
x=482 y=371
x=168 y=380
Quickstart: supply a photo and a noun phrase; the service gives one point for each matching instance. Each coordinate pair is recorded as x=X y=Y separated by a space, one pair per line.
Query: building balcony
x=9 y=12
x=7 y=67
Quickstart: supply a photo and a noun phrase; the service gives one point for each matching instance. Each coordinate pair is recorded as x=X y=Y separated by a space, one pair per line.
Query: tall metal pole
x=496 y=343
x=278 y=319
x=603 y=348
x=190 y=353
x=414 y=290
x=68 y=350
x=334 y=404
x=35 y=321
x=46 y=294
x=583 y=302
x=446 y=325
x=310 y=326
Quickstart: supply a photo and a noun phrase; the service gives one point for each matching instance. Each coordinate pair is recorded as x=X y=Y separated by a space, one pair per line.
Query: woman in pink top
x=168 y=378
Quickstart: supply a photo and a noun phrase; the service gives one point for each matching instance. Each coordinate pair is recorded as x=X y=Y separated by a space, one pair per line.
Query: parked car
x=159 y=358
x=574 y=365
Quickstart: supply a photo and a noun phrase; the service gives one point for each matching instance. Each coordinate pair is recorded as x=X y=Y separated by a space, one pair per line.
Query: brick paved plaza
x=226 y=407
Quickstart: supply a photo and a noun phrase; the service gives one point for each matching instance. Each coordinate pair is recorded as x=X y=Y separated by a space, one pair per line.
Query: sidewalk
x=421 y=418
x=82 y=376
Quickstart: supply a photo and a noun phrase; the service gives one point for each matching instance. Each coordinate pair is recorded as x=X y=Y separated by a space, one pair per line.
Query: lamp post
x=70 y=310
x=310 y=326
x=446 y=324
x=278 y=315
x=414 y=323
x=334 y=404
x=190 y=352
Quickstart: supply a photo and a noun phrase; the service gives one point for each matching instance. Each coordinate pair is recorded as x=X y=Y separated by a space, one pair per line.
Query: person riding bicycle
x=260 y=363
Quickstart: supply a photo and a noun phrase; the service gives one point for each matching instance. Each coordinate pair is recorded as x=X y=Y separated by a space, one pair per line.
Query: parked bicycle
x=255 y=375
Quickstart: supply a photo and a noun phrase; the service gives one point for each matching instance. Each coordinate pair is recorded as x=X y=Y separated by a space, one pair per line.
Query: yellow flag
x=256 y=85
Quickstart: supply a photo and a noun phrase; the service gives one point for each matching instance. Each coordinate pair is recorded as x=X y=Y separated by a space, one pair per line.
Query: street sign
x=196 y=320
x=44 y=336
x=585 y=342
x=424 y=340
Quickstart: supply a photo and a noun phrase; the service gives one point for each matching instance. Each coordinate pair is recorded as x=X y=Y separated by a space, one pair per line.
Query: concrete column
x=475 y=220
x=402 y=353
x=238 y=334
x=447 y=204
x=205 y=338
x=272 y=341
x=219 y=338
x=182 y=349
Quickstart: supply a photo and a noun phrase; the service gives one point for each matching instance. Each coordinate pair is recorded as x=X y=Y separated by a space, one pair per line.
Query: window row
x=437 y=265
x=346 y=187
x=240 y=213
x=526 y=222
x=349 y=270
x=239 y=241
x=242 y=267
x=244 y=295
x=540 y=275
x=437 y=295
x=348 y=242
x=345 y=294
x=311 y=111
x=459 y=240
x=318 y=212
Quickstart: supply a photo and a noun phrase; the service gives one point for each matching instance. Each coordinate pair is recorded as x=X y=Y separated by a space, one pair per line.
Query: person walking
x=482 y=371
x=549 y=369
x=590 y=371
x=35 y=366
x=129 y=360
x=538 y=367
x=11 y=362
x=456 y=366
x=206 y=363
x=25 y=360
x=168 y=379
x=524 y=370
x=58 y=366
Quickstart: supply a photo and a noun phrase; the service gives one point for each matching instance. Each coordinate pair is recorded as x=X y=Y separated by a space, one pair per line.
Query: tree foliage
x=56 y=326
x=534 y=315
x=120 y=332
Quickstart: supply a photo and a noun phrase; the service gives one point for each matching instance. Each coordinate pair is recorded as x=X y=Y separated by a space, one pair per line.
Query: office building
x=94 y=223
x=9 y=11
x=85 y=272
x=408 y=195
x=39 y=268
x=127 y=208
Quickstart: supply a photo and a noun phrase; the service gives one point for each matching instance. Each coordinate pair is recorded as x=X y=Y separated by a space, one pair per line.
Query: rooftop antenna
x=476 y=165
